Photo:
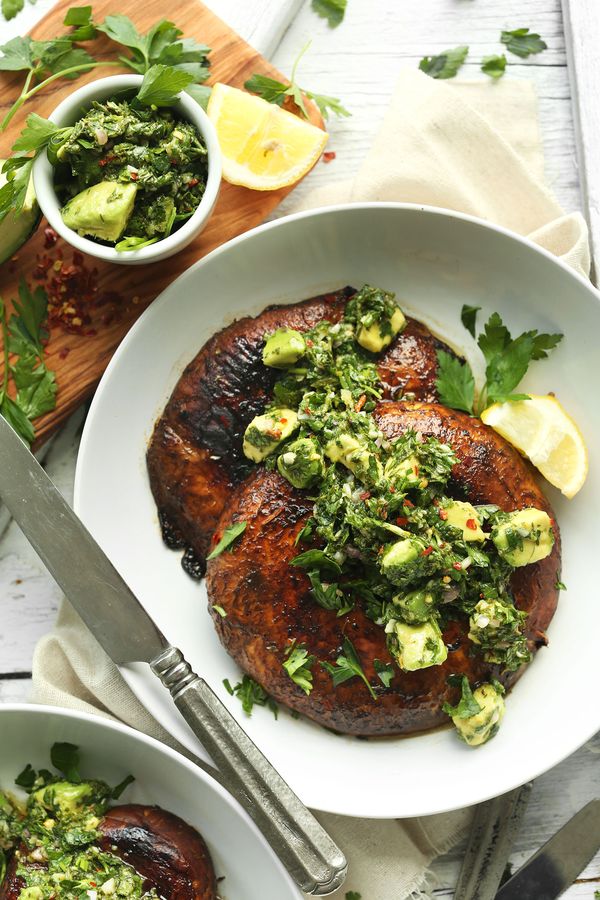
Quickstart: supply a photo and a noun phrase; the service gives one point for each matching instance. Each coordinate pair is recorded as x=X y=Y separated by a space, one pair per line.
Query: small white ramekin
x=73 y=108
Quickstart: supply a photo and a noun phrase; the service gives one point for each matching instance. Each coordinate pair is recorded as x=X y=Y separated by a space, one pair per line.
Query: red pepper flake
x=427 y=551
x=402 y=520
x=102 y=163
x=392 y=489
x=365 y=495
x=409 y=503
x=307 y=411
x=328 y=156
x=193 y=182
x=50 y=237
x=472 y=524
x=457 y=566
x=442 y=514
x=134 y=176
x=283 y=421
x=309 y=343
x=361 y=402
x=64 y=352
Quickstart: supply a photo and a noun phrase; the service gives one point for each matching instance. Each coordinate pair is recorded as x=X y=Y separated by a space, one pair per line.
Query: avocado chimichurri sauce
x=129 y=175
x=382 y=515
x=53 y=839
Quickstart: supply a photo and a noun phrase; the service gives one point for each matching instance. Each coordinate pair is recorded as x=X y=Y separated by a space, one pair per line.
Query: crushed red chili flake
x=361 y=402
x=402 y=520
x=309 y=343
x=283 y=421
x=392 y=489
x=472 y=524
x=64 y=352
x=134 y=176
x=365 y=495
x=457 y=566
x=50 y=237
x=443 y=514
x=192 y=182
x=307 y=410
x=328 y=156
x=427 y=551
x=409 y=503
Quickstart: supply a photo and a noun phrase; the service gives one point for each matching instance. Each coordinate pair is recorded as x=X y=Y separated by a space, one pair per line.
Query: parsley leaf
x=298 y=666
x=353 y=895
x=26 y=778
x=385 y=671
x=36 y=134
x=10 y=8
x=468 y=316
x=347 y=666
x=119 y=788
x=231 y=533
x=16 y=55
x=250 y=694
x=494 y=66
x=200 y=93
x=65 y=758
x=316 y=559
x=274 y=91
x=455 y=383
x=329 y=596
x=162 y=85
x=523 y=42
x=332 y=10
x=467 y=705
x=13 y=193
x=446 y=65
x=162 y=45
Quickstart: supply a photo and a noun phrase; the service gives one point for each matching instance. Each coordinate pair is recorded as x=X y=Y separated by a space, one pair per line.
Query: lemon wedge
x=263 y=146
x=544 y=433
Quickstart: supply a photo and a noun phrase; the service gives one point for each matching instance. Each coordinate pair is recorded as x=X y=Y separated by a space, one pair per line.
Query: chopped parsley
x=467 y=705
x=507 y=360
x=332 y=10
x=231 y=534
x=347 y=666
x=446 y=64
x=250 y=694
x=385 y=672
x=298 y=665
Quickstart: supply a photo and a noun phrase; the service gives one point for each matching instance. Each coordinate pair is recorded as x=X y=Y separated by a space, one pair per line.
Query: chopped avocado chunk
x=407 y=560
x=415 y=607
x=464 y=516
x=479 y=727
x=69 y=798
x=354 y=453
x=265 y=433
x=283 y=348
x=302 y=463
x=377 y=337
x=497 y=628
x=15 y=229
x=404 y=473
x=415 y=646
x=101 y=211
x=524 y=536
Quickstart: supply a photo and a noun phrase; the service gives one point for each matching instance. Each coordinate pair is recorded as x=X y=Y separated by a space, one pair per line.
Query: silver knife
x=557 y=864
x=128 y=634
x=493 y=831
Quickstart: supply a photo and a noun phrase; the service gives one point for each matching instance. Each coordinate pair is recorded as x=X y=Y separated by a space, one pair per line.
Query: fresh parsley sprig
x=507 y=360
x=231 y=534
x=162 y=45
x=494 y=66
x=276 y=92
x=348 y=666
x=22 y=339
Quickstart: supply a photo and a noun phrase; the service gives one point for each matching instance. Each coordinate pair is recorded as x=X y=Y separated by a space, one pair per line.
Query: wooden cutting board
x=123 y=292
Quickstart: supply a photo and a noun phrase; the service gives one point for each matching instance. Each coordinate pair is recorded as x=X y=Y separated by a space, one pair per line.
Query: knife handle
x=315 y=863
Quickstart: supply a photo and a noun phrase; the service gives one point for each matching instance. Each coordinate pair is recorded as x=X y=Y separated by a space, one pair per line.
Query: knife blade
x=128 y=634
x=493 y=831
x=556 y=865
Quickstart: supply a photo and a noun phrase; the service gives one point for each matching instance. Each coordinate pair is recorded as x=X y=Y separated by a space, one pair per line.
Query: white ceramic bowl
x=73 y=108
x=110 y=751
x=435 y=261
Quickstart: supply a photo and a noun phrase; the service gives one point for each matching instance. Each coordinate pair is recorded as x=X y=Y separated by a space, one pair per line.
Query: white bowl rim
x=43 y=177
x=121 y=728
x=553 y=759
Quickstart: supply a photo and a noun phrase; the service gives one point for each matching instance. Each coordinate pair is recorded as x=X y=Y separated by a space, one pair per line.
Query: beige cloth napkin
x=471 y=147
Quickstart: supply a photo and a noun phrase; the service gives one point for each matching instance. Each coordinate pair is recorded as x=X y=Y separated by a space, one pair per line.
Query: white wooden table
x=357 y=62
